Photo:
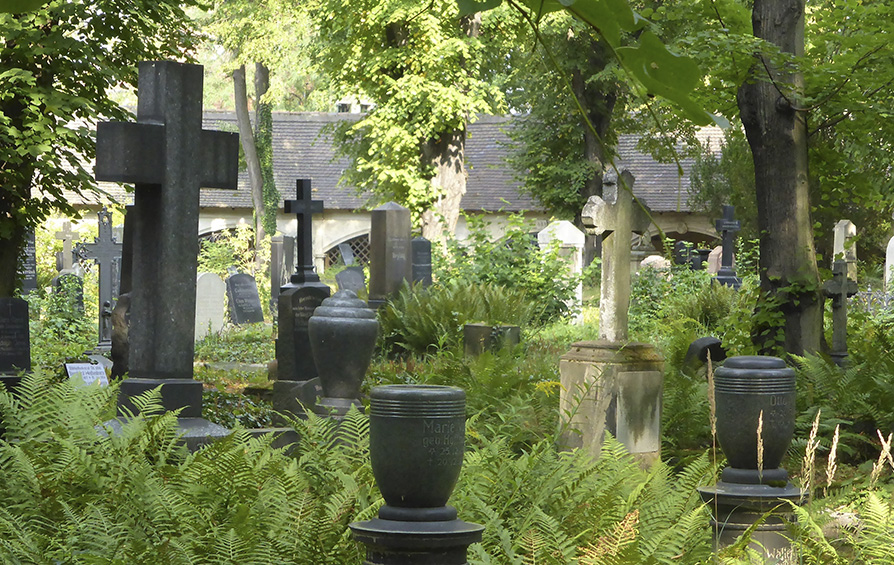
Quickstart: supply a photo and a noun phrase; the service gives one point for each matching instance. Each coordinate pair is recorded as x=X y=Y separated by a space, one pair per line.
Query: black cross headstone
x=104 y=251
x=168 y=156
x=727 y=226
x=304 y=207
x=839 y=288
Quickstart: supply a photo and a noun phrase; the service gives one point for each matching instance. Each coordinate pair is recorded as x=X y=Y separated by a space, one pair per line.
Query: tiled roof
x=302 y=149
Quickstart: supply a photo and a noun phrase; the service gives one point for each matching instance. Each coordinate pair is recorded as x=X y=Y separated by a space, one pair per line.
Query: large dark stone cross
x=304 y=207
x=839 y=288
x=104 y=251
x=168 y=156
x=727 y=226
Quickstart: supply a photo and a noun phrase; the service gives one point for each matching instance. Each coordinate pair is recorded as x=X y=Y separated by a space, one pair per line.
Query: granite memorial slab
x=243 y=299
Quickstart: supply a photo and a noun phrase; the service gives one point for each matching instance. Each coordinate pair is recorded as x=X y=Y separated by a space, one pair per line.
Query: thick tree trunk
x=10 y=248
x=449 y=182
x=246 y=135
x=264 y=144
x=777 y=132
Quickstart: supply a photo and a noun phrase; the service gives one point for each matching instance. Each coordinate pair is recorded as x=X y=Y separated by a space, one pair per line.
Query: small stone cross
x=839 y=288
x=615 y=222
x=168 y=156
x=67 y=236
x=727 y=226
x=304 y=207
x=104 y=251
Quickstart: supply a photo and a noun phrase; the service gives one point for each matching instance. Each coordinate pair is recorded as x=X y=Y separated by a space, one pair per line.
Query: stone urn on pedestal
x=755 y=399
x=342 y=335
x=416 y=445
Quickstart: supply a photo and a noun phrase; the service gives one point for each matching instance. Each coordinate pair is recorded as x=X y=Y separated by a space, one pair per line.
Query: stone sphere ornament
x=342 y=334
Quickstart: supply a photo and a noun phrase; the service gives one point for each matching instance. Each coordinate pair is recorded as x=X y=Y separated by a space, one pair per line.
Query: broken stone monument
x=612 y=384
x=844 y=247
x=168 y=157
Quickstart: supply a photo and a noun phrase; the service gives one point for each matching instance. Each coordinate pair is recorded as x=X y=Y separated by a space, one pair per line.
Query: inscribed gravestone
x=28 y=266
x=421 y=249
x=168 y=156
x=15 y=344
x=242 y=295
x=210 y=294
x=282 y=265
x=88 y=373
x=390 y=264
x=570 y=242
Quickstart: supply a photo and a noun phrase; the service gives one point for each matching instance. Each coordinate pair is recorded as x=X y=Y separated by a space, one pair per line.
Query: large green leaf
x=19 y=6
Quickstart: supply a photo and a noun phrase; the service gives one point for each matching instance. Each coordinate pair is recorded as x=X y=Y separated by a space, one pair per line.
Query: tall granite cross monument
x=168 y=156
x=296 y=375
x=612 y=384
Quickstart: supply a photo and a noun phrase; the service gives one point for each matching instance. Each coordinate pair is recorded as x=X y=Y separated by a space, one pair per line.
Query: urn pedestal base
x=394 y=542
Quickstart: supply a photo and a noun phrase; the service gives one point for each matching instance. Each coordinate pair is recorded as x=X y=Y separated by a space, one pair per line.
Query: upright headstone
x=168 y=156
x=210 y=315
x=66 y=235
x=242 y=296
x=839 y=288
x=390 y=263
x=351 y=278
x=282 y=265
x=728 y=226
x=421 y=253
x=844 y=247
x=105 y=251
x=296 y=372
x=570 y=241
x=15 y=344
x=28 y=266
x=613 y=384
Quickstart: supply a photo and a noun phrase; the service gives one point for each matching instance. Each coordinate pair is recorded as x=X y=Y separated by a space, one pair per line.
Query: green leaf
x=19 y=6
x=467 y=7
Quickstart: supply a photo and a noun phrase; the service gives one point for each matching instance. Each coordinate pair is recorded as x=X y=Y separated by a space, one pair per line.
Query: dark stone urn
x=752 y=392
x=342 y=334
x=417 y=438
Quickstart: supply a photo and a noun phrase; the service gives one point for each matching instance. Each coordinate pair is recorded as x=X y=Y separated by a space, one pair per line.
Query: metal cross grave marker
x=839 y=288
x=304 y=207
x=727 y=226
x=104 y=251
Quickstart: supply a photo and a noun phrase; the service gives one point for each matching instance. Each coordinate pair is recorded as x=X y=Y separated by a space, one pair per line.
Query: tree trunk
x=251 y=154
x=11 y=246
x=777 y=133
x=264 y=143
x=449 y=182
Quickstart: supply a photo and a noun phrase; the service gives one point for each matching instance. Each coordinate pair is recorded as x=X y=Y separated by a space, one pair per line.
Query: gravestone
x=28 y=265
x=347 y=254
x=390 y=263
x=66 y=235
x=282 y=265
x=167 y=156
x=727 y=226
x=15 y=344
x=242 y=296
x=88 y=373
x=570 y=241
x=421 y=252
x=844 y=247
x=296 y=380
x=612 y=384
x=210 y=294
x=839 y=288
x=351 y=278
x=105 y=251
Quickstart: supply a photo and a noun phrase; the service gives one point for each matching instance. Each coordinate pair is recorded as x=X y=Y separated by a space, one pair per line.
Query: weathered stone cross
x=67 y=236
x=727 y=226
x=304 y=207
x=168 y=156
x=615 y=222
x=839 y=288
x=104 y=251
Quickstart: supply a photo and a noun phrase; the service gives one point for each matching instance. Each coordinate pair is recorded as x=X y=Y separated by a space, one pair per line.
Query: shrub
x=512 y=261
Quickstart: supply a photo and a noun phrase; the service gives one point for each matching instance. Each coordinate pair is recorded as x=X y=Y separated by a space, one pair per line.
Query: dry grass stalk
x=712 y=403
x=809 y=466
x=831 y=466
x=760 y=446
x=882 y=457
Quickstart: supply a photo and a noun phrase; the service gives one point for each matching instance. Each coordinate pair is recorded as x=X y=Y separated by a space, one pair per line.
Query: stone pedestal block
x=616 y=388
